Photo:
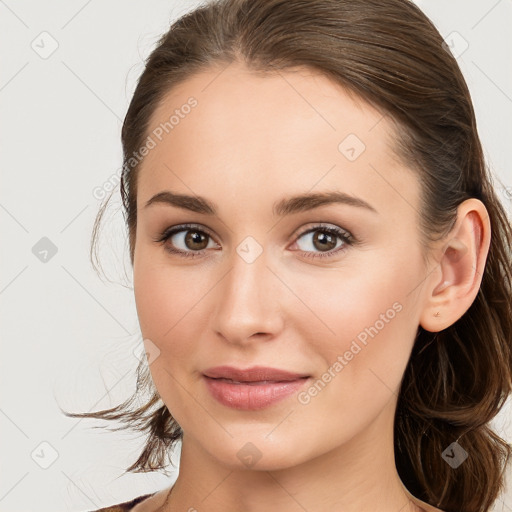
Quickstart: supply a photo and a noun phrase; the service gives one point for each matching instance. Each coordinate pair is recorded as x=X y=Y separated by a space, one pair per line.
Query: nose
x=248 y=302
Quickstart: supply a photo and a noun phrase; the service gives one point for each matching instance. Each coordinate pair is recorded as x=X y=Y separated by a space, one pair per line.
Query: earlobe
x=461 y=263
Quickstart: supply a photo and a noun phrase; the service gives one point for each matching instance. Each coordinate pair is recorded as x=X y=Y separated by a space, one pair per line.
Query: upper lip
x=253 y=374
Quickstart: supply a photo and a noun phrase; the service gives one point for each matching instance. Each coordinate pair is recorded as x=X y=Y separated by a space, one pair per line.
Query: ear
x=453 y=285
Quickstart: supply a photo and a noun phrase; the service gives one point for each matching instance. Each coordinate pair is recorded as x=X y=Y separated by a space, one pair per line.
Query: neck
x=357 y=476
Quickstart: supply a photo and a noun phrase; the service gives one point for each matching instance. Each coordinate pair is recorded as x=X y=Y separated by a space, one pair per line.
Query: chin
x=258 y=453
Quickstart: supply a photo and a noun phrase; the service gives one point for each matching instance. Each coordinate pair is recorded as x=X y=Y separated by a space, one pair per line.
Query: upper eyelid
x=328 y=226
x=189 y=227
x=171 y=231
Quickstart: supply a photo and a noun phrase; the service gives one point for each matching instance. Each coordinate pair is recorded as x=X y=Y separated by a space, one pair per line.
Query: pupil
x=323 y=237
x=195 y=238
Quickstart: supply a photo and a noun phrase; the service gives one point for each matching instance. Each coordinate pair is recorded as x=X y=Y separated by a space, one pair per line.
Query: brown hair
x=388 y=53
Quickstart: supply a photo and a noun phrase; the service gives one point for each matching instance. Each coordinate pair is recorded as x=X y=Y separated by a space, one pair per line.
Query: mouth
x=255 y=382
x=252 y=389
x=259 y=374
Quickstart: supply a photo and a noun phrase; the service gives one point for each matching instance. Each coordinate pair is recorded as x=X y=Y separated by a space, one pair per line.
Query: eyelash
x=347 y=238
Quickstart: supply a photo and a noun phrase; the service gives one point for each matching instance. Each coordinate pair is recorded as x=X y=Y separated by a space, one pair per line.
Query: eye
x=190 y=240
x=325 y=239
x=187 y=240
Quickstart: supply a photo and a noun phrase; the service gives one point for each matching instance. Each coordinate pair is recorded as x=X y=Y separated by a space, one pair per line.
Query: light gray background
x=68 y=337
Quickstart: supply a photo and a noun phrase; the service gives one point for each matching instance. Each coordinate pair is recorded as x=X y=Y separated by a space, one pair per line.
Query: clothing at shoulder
x=125 y=506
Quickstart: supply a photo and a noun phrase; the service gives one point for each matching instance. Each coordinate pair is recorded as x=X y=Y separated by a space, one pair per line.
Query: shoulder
x=125 y=506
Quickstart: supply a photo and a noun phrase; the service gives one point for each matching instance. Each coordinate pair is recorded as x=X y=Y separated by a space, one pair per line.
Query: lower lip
x=251 y=397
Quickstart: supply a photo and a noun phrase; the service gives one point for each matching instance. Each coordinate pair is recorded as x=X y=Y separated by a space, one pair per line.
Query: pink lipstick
x=253 y=388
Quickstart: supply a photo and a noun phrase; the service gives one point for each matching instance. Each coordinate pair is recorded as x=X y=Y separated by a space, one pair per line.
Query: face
x=327 y=289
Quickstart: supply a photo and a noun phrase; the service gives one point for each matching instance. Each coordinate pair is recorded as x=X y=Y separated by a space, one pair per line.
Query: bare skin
x=161 y=499
x=250 y=142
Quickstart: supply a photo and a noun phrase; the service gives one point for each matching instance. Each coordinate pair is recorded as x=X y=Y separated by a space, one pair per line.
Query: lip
x=251 y=388
x=253 y=374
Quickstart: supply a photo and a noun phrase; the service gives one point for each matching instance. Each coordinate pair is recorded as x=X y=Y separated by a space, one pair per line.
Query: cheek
x=361 y=358
x=164 y=308
x=372 y=326
x=164 y=295
x=169 y=316
x=172 y=304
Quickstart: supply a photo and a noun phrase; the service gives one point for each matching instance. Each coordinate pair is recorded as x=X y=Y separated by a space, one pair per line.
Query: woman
x=321 y=265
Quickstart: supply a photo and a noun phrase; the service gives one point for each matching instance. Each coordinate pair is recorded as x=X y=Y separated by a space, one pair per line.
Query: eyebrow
x=287 y=206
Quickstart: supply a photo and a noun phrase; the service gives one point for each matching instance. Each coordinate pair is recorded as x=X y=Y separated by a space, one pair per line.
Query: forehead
x=267 y=105
x=295 y=130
